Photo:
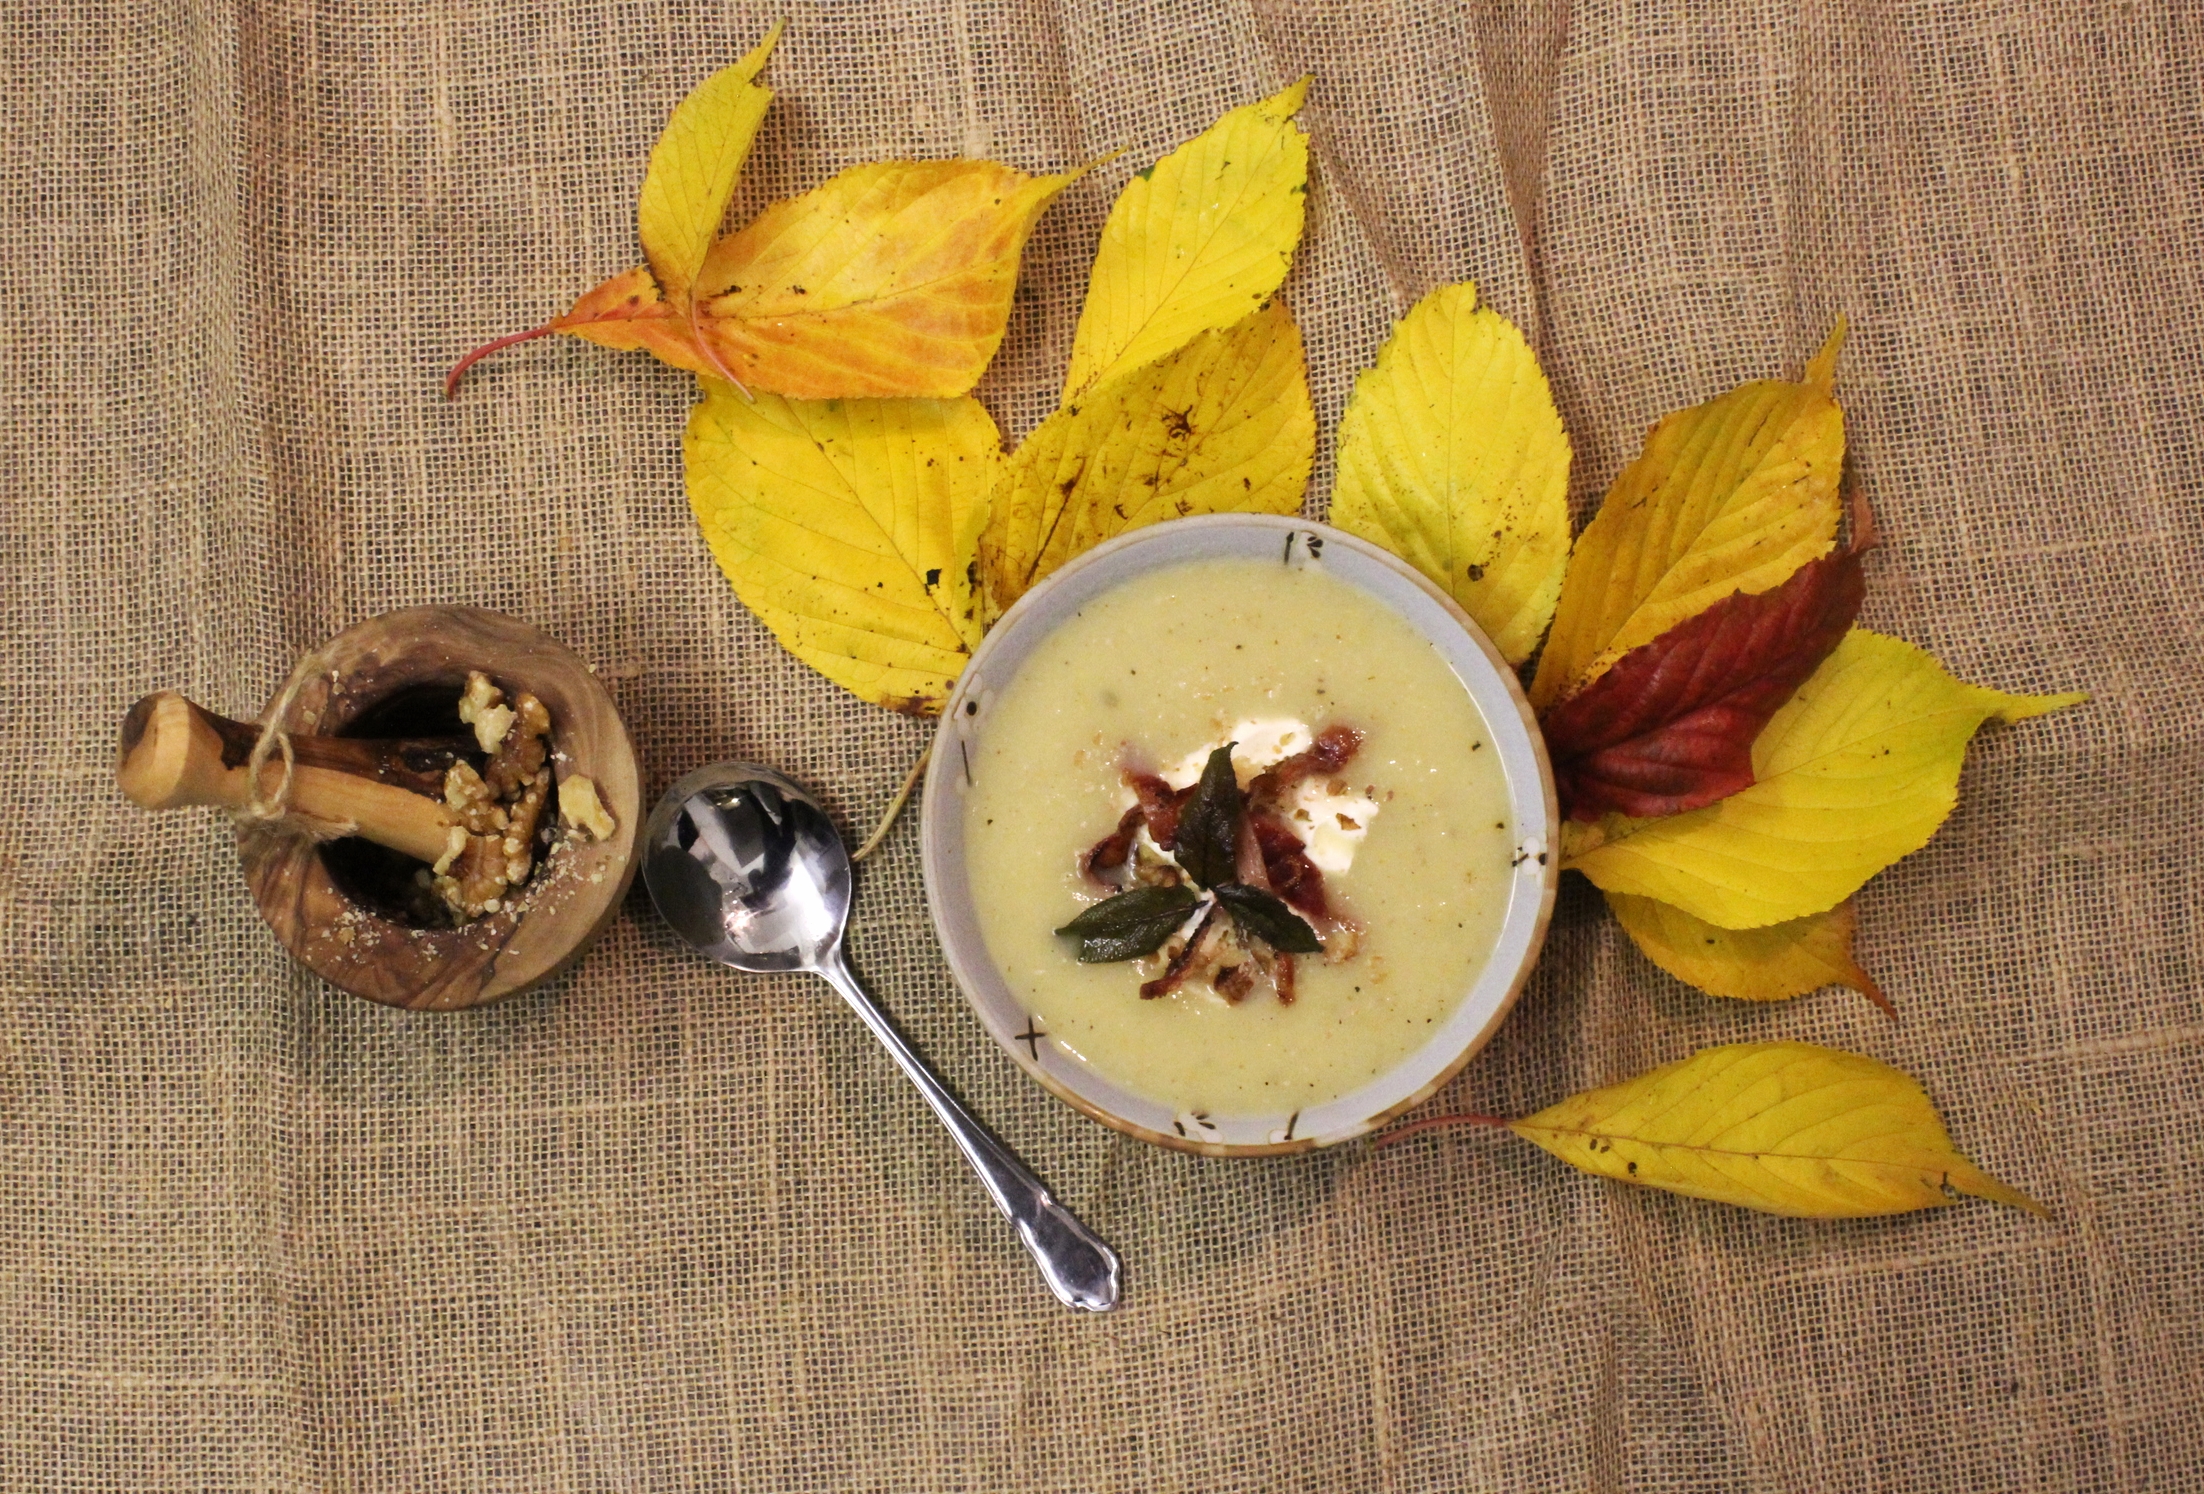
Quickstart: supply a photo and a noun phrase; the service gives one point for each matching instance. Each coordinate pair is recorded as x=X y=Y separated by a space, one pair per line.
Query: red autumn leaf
x=1670 y=727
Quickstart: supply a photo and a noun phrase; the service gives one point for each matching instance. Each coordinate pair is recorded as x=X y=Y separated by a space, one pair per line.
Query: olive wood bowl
x=367 y=713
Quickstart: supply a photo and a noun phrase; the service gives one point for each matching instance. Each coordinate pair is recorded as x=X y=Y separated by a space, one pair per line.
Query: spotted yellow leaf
x=627 y=313
x=693 y=167
x=1195 y=242
x=1857 y=770
x=890 y=279
x=1222 y=426
x=1774 y=963
x=848 y=527
x=1452 y=456
x=1786 y=1128
x=1732 y=495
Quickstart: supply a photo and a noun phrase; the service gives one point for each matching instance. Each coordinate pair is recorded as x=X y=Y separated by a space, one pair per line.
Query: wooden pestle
x=176 y=753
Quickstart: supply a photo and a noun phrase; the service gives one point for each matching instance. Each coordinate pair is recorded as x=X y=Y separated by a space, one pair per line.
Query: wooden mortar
x=373 y=725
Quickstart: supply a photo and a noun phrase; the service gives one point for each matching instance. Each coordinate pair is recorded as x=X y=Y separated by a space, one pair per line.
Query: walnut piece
x=483 y=708
x=521 y=753
x=471 y=801
x=579 y=805
x=498 y=810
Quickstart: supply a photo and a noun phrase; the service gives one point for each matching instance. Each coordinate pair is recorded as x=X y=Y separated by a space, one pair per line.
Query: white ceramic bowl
x=1491 y=684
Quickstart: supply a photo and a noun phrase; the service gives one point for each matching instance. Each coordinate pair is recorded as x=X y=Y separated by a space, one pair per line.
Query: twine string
x=265 y=809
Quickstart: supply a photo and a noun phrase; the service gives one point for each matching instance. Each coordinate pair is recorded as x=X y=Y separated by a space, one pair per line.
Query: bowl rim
x=1532 y=890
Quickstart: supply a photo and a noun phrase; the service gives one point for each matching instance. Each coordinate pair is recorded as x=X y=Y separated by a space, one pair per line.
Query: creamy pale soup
x=1153 y=675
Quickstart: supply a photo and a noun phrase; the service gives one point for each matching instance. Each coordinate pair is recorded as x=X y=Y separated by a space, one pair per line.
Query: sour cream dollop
x=1330 y=826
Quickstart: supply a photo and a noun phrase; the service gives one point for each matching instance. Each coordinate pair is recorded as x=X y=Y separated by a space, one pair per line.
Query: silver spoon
x=749 y=870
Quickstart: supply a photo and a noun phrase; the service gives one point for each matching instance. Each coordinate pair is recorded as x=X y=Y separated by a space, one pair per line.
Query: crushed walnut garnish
x=499 y=831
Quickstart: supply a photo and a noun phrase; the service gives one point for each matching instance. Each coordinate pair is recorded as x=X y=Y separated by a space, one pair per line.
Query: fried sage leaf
x=1452 y=455
x=1856 y=771
x=1786 y=1128
x=1131 y=924
x=1732 y=495
x=1209 y=826
x=1268 y=919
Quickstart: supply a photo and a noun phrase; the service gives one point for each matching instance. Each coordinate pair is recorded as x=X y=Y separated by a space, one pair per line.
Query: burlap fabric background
x=660 y=1228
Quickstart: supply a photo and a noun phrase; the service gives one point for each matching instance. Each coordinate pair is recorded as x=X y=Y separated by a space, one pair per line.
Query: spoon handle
x=1079 y=1269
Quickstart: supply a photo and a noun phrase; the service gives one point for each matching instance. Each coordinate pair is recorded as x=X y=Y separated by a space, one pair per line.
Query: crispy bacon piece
x=1109 y=853
x=1335 y=747
x=1249 y=858
x=1162 y=805
x=1291 y=874
x=1281 y=976
x=1183 y=963
x=1235 y=981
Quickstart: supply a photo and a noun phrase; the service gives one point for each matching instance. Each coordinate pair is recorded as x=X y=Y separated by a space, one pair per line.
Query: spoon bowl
x=749 y=871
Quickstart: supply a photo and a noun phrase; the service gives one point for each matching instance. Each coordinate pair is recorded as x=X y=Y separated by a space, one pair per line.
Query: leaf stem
x=451 y=380
x=711 y=354
x=1865 y=534
x=895 y=806
x=1434 y=1122
x=1864 y=983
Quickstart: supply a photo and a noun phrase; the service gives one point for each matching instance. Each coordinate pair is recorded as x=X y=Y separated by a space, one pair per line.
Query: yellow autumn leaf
x=1732 y=495
x=1452 y=456
x=693 y=167
x=890 y=279
x=1195 y=242
x=1774 y=963
x=1855 y=771
x=627 y=313
x=848 y=527
x=1222 y=426
x=1786 y=1128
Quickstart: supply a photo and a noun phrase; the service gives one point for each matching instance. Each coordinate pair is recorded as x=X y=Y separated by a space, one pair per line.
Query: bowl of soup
x=1183 y=739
